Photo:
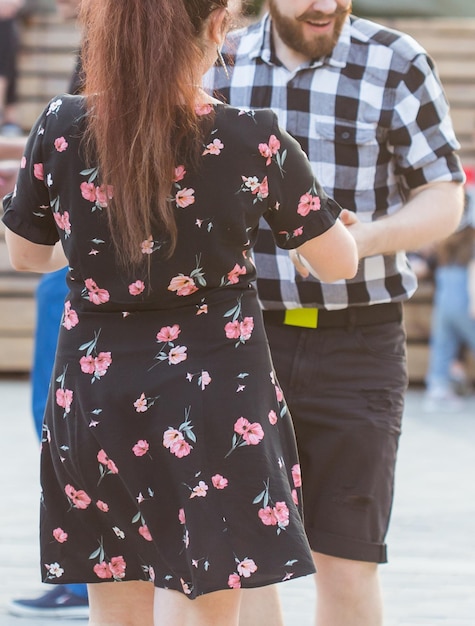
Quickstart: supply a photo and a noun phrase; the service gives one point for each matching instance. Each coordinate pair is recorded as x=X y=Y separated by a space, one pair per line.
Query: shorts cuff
x=347 y=547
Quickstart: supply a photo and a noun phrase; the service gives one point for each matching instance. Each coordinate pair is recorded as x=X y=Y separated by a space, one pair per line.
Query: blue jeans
x=50 y=295
x=452 y=325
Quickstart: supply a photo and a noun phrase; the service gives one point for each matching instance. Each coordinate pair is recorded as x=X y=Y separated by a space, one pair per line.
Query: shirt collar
x=262 y=46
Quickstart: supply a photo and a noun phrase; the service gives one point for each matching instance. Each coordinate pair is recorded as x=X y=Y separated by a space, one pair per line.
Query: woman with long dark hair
x=168 y=453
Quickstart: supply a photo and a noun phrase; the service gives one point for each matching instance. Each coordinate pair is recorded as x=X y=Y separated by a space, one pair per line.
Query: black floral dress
x=168 y=452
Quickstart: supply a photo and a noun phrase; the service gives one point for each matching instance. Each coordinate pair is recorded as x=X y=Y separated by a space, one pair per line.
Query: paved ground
x=430 y=580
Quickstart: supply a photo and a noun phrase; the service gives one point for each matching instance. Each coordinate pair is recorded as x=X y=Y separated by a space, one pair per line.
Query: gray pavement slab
x=430 y=578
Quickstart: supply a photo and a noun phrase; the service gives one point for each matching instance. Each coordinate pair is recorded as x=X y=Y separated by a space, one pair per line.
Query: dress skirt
x=178 y=465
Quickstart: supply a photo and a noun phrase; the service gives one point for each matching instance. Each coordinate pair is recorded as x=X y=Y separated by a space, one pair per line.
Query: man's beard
x=291 y=31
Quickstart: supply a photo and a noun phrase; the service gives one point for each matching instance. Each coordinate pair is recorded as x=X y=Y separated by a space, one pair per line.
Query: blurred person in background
x=61 y=601
x=9 y=44
x=453 y=314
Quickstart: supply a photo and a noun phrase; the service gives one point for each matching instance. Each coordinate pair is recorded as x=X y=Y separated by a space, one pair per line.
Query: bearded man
x=367 y=107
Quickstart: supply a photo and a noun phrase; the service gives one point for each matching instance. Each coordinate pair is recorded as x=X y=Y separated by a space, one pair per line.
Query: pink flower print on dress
x=251 y=183
x=246 y=567
x=62 y=221
x=177 y=355
x=258 y=189
x=307 y=203
x=267 y=516
x=23 y=162
x=249 y=434
x=60 y=535
x=54 y=570
x=64 y=399
x=141 y=448
x=263 y=191
x=219 y=482
x=141 y=404
x=200 y=490
x=185 y=586
x=102 y=570
x=181 y=516
x=253 y=433
x=234 y=581
x=295 y=497
x=281 y=511
x=38 y=171
x=204 y=379
x=181 y=448
x=136 y=288
x=179 y=174
x=233 y=275
x=214 y=147
x=171 y=436
x=232 y=330
x=183 y=285
x=102 y=506
x=246 y=327
x=174 y=440
x=144 y=531
x=87 y=364
x=168 y=333
x=107 y=462
x=95 y=294
x=203 y=109
x=102 y=363
x=70 y=317
x=147 y=245
x=268 y=150
x=104 y=193
x=296 y=475
x=184 y=197
x=88 y=191
x=272 y=417
x=78 y=498
x=240 y=330
x=61 y=144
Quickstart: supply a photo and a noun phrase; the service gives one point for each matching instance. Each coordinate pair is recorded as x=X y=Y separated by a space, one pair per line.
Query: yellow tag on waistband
x=307 y=318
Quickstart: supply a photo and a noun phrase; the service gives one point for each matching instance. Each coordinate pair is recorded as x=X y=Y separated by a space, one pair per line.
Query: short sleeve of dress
x=27 y=209
x=299 y=209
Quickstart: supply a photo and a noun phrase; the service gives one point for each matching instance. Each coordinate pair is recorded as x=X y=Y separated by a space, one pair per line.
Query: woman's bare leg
x=220 y=608
x=261 y=606
x=121 y=604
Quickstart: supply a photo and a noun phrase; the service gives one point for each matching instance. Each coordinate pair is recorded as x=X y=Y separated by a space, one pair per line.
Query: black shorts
x=345 y=389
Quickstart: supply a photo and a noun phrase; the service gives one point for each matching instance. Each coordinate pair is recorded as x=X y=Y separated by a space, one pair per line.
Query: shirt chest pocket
x=355 y=149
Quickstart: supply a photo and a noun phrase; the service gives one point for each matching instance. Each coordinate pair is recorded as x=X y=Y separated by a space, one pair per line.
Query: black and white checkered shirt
x=374 y=122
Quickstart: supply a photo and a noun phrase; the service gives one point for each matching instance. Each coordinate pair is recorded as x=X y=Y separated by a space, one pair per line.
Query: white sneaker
x=442 y=401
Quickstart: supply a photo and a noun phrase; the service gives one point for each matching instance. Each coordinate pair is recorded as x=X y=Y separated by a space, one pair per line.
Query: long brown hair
x=140 y=62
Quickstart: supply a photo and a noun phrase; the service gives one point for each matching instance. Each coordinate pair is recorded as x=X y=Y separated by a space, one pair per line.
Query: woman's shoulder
x=257 y=121
x=64 y=111
x=260 y=116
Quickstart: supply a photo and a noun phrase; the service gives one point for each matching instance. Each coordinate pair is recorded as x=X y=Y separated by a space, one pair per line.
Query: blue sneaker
x=58 y=602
